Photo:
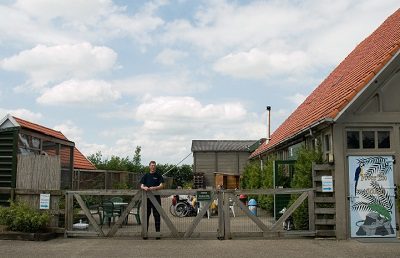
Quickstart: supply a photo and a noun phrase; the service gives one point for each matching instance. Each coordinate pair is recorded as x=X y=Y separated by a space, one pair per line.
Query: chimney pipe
x=269 y=124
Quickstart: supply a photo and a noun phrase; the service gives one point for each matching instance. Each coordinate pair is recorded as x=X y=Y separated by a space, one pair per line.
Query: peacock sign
x=372 y=196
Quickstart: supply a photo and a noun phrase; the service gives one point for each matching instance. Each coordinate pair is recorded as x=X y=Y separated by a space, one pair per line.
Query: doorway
x=371 y=196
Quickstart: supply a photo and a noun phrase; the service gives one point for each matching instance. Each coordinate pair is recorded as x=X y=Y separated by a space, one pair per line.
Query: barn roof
x=222 y=145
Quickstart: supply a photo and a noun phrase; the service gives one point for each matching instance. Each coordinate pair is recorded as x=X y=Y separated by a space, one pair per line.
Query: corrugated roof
x=221 y=145
x=342 y=85
x=80 y=161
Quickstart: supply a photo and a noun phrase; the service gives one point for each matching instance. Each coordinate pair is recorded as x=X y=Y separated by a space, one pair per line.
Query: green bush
x=21 y=217
x=303 y=179
x=255 y=178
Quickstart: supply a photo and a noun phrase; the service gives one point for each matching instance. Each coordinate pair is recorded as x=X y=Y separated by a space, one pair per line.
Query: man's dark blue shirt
x=152 y=179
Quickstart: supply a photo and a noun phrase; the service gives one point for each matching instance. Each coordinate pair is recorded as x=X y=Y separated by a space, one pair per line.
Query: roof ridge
x=26 y=121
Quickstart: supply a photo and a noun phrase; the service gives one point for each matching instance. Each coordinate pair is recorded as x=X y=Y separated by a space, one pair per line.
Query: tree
x=137 y=160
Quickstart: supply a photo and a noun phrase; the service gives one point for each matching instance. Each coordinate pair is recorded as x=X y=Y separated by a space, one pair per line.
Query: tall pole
x=268 y=108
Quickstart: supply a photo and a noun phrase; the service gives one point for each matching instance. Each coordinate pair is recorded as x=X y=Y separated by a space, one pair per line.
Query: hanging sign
x=327 y=183
x=44 y=201
x=203 y=195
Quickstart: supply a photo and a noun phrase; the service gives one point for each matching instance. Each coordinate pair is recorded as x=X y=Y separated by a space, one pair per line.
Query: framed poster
x=372 y=196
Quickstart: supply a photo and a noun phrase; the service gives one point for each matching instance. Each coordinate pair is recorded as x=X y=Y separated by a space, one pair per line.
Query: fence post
x=69 y=211
x=227 y=224
x=221 y=224
x=311 y=211
x=144 y=214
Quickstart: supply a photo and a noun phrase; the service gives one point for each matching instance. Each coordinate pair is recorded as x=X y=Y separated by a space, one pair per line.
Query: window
x=28 y=144
x=368 y=139
x=327 y=138
x=353 y=139
x=383 y=139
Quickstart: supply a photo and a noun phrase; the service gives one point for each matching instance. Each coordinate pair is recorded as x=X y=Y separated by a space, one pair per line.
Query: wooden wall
x=232 y=163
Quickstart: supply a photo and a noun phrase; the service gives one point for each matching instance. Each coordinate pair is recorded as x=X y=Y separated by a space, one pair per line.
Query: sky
x=113 y=75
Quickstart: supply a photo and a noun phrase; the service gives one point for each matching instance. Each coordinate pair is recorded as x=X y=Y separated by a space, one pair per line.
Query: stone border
x=10 y=235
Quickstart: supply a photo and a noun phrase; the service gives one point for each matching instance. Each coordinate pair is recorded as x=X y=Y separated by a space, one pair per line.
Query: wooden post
x=144 y=214
x=311 y=211
x=69 y=211
x=227 y=224
x=221 y=224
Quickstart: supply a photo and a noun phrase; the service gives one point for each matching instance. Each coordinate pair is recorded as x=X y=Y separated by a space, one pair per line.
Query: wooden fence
x=39 y=174
x=104 y=179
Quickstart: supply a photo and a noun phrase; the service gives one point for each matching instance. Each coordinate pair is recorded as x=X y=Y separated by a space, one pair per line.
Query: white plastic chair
x=201 y=205
x=232 y=207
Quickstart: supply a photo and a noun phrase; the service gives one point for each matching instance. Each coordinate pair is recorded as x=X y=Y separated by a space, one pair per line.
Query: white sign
x=327 y=183
x=44 y=201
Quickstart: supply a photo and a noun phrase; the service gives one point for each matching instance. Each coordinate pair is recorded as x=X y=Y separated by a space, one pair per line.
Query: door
x=372 y=196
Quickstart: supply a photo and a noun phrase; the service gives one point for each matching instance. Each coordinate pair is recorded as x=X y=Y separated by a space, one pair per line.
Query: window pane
x=327 y=143
x=353 y=140
x=383 y=139
x=368 y=139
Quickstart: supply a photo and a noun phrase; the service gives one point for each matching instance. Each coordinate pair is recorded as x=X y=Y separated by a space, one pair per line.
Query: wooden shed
x=35 y=157
x=219 y=160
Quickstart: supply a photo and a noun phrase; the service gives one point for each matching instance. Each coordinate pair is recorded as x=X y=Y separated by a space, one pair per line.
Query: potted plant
x=20 y=221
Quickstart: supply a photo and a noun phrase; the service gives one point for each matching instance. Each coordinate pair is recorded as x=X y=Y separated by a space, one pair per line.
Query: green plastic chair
x=117 y=208
x=108 y=212
x=136 y=211
x=94 y=209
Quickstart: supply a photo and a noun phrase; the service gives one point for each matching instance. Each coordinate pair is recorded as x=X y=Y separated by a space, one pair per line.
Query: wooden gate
x=230 y=222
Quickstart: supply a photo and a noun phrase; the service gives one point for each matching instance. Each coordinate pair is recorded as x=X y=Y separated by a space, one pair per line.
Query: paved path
x=126 y=247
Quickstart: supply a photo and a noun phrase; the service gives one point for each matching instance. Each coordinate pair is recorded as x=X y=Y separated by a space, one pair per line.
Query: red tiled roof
x=39 y=128
x=342 y=85
x=80 y=161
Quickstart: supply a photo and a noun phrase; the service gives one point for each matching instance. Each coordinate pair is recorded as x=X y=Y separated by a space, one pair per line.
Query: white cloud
x=56 y=22
x=79 y=92
x=179 y=84
x=167 y=125
x=276 y=36
x=70 y=130
x=257 y=63
x=297 y=98
x=86 y=11
x=170 y=56
x=139 y=26
x=22 y=113
x=45 y=64
x=27 y=29
x=179 y=109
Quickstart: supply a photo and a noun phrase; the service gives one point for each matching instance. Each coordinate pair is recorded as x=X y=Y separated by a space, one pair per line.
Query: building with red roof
x=354 y=114
x=21 y=137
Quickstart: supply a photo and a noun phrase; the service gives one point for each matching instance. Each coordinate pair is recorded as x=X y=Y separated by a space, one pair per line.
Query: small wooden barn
x=221 y=162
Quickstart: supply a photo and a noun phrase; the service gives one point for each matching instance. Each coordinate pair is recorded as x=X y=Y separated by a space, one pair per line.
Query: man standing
x=149 y=182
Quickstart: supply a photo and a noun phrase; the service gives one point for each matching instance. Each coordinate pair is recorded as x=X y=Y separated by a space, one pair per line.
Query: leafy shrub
x=21 y=217
x=254 y=178
x=303 y=179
